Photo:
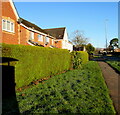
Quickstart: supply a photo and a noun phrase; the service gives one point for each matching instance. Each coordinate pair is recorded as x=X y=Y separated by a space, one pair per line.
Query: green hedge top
x=36 y=62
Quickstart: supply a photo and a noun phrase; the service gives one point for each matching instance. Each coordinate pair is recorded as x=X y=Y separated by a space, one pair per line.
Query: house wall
x=65 y=42
x=58 y=44
x=52 y=42
x=42 y=42
x=65 y=38
x=47 y=45
x=36 y=39
x=21 y=33
x=69 y=46
x=24 y=35
x=9 y=14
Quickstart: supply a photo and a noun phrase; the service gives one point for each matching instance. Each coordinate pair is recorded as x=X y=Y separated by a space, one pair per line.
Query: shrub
x=79 y=58
x=36 y=62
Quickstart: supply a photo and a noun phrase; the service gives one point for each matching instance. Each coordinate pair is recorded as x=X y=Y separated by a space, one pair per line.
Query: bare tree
x=78 y=38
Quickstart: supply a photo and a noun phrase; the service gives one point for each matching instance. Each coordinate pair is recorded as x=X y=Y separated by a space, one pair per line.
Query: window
x=40 y=38
x=7 y=25
x=31 y=35
x=12 y=27
x=47 y=39
x=4 y=24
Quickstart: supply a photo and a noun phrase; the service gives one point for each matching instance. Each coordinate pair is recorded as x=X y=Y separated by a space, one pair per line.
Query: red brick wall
x=21 y=35
x=24 y=35
x=58 y=44
x=35 y=37
x=8 y=13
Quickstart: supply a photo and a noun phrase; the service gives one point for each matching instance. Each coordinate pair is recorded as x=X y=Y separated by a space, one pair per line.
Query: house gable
x=14 y=9
x=8 y=9
x=65 y=37
x=10 y=27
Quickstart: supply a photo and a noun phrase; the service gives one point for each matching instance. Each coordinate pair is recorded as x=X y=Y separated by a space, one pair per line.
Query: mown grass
x=115 y=64
x=76 y=91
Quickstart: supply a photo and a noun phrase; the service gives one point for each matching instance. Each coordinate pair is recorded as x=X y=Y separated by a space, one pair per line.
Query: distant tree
x=114 y=43
x=90 y=49
x=79 y=39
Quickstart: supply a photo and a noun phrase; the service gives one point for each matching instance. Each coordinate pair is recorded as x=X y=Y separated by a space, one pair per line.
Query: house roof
x=58 y=33
x=31 y=25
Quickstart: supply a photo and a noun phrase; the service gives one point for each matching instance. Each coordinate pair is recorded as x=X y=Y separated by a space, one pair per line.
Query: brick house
x=10 y=27
x=61 y=36
x=16 y=30
x=33 y=35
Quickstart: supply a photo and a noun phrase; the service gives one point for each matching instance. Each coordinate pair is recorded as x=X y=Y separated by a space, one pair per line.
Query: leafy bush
x=79 y=58
x=36 y=62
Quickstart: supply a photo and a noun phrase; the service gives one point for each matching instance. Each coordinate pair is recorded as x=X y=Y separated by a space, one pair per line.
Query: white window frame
x=11 y=26
x=6 y=28
x=3 y=25
x=47 y=39
x=40 y=38
x=31 y=35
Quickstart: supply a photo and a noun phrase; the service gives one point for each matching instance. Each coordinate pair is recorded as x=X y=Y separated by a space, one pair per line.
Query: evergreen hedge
x=36 y=62
x=79 y=58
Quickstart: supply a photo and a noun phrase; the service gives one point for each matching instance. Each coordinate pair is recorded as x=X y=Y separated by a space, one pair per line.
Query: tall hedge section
x=36 y=62
x=79 y=58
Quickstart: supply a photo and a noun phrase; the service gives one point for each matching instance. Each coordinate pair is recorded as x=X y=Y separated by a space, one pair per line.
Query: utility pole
x=106 y=32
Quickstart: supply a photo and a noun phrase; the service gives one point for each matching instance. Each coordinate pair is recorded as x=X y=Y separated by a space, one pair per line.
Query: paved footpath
x=112 y=80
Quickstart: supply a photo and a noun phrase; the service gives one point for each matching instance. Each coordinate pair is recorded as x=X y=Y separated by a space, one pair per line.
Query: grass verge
x=77 y=91
x=115 y=65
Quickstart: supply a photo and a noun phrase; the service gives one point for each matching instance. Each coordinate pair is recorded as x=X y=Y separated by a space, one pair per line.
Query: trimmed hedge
x=79 y=58
x=36 y=62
